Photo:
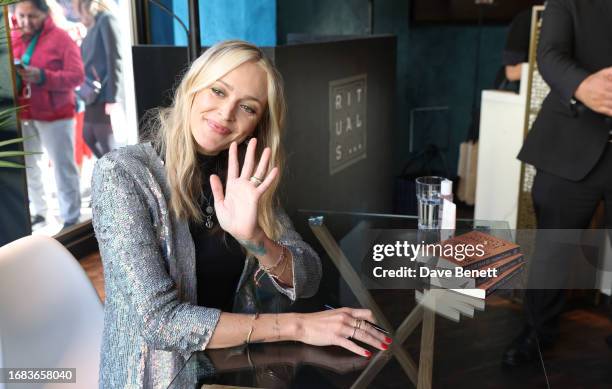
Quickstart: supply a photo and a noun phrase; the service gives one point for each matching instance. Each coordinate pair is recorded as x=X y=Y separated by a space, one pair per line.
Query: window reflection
x=69 y=58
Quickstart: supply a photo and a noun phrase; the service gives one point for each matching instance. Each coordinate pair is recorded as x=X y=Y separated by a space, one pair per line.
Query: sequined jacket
x=152 y=323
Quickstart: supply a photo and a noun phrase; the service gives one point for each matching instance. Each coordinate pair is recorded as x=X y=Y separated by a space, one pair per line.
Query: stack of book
x=448 y=303
x=494 y=264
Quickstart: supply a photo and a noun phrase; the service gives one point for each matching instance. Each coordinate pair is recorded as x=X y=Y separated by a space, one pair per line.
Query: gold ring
x=256 y=180
x=356 y=327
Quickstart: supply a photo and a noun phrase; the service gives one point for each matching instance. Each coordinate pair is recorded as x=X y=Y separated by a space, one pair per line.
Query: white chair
x=50 y=314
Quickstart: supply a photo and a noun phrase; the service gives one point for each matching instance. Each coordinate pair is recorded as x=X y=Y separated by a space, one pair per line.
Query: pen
x=379 y=328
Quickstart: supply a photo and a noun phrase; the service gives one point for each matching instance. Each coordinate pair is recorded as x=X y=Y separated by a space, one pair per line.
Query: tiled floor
x=54 y=223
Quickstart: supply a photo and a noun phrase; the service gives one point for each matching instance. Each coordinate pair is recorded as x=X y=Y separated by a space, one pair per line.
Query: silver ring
x=256 y=180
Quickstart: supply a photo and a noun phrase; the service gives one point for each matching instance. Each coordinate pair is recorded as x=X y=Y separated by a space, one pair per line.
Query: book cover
x=466 y=282
x=494 y=249
x=501 y=266
x=493 y=284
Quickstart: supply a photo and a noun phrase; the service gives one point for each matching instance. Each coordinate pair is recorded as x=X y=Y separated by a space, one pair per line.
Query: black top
x=219 y=257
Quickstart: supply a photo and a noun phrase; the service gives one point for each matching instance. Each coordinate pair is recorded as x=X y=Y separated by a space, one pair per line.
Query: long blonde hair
x=177 y=145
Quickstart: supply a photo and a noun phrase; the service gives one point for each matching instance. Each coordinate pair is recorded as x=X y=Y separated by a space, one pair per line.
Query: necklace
x=209 y=212
x=208 y=166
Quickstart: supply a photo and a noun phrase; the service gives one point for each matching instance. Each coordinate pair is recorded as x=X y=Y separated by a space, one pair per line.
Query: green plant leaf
x=11 y=164
x=6 y=115
x=17 y=153
x=8 y=2
x=11 y=141
x=4 y=123
x=10 y=110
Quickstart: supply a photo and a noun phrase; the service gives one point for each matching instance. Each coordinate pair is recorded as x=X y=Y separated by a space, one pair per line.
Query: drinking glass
x=429 y=201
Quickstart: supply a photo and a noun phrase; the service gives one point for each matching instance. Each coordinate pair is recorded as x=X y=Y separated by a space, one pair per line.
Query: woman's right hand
x=337 y=326
x=236 y=209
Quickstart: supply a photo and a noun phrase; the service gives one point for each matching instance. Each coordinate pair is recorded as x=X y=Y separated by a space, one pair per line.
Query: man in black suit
x=569 y=143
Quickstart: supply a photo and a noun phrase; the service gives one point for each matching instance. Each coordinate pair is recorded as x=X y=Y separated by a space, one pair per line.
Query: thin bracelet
x=281 y=257
x=280 y=274
x=257 y=275
x=288 y=263
x=248 y=338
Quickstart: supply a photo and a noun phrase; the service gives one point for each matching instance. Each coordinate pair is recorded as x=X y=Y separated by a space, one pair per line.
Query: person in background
x=570 y=144
x=516 y=52
x=48 y=67
x=76 y=31
x=196 y=251
x=101 y=55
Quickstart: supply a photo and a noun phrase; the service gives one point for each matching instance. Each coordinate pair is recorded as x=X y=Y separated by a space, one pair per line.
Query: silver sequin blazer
x=152 y=323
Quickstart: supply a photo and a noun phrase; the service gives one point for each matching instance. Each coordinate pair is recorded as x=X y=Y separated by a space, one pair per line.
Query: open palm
x=236 y=209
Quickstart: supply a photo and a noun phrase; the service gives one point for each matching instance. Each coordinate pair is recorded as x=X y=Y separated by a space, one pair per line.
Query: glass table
x=414 y=311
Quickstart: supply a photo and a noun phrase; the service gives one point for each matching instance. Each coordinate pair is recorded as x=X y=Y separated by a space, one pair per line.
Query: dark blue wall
x=320 y=17
x=435 y=63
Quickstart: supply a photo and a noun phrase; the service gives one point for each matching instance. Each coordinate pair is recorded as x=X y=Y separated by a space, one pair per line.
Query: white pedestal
x=502 y=118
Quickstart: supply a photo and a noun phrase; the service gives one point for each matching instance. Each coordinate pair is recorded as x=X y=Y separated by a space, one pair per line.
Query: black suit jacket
x=568 y=139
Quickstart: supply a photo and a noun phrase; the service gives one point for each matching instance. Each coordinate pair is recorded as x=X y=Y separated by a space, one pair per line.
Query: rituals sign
x=347 y=122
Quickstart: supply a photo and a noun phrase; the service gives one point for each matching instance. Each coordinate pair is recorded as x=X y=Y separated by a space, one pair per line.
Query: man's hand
x=513 y=72
x=596 y=91
x=30 y=74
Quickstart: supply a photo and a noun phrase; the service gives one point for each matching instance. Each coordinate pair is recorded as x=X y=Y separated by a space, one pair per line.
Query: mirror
x=70 y=119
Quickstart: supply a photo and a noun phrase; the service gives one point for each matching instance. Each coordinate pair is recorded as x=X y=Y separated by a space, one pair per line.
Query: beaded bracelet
x=257 y=276
x=281 y=258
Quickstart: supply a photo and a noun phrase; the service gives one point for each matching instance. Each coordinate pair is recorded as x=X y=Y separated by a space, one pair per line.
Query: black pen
x=379 y=328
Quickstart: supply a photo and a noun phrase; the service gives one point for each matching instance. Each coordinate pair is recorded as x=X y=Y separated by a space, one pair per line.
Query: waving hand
x=236 y=209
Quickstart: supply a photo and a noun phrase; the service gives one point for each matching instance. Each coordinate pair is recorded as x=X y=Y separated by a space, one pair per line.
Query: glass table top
x=440 y=335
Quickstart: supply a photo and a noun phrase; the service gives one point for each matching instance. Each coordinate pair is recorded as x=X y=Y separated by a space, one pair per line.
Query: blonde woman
x=176 y=219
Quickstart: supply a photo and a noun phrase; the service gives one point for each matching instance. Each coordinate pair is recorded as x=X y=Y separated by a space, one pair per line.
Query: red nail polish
x=368 y=354
x=388 y=340
x=384 y=346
